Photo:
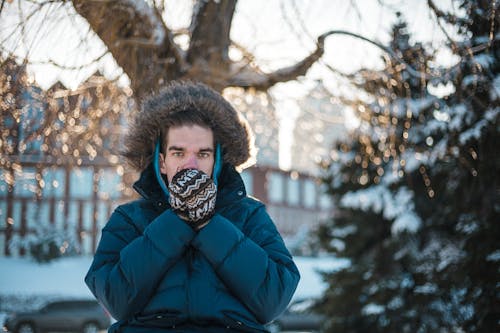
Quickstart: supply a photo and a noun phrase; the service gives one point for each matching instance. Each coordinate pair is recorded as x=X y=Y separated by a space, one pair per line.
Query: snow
x=398 y=206
x=415 y=106
x=495 y=88
x=345 y=231
x=27 y=285
x=372 y=309
x=413 y=160
x=27 y=280
x=396 y=303
x=475 y=131
x=63 y=277
x=494 y=256
x=459 y=116
x=407 y=221
x=485 y=60
x=427 y=288
x=470 y=80
x=311 y=284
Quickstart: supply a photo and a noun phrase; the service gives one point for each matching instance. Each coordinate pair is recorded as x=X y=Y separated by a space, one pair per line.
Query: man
x=194 y=254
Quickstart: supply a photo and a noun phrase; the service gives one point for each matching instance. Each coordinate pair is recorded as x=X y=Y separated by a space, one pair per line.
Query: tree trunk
x=144 y=48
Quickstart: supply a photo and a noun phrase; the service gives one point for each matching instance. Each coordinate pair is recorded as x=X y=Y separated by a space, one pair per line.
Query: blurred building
x=319 y=125
x=258 y=110
x=60 y=170
x=295 y=201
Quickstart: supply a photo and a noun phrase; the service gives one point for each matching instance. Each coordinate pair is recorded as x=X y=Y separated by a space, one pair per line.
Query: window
x=16 y=215
x=275 y=187
x=3 y=210
x=110 y=184
x=102 y=214
x=54 y=182
x=26 y=184
x=81 y=183
x=32 y=215
x=4 y=187
x=309 y=193
x=59 y=216
x=325 y=201
x=293 y=192
x=32 y=118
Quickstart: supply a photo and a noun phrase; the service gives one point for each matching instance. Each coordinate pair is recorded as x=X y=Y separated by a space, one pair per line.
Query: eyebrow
x=202 y=150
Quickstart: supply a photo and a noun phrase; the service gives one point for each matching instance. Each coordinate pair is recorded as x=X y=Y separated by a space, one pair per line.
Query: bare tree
x=143 y=45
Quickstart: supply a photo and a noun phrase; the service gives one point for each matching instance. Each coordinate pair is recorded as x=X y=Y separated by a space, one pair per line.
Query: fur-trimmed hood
x=230 y=129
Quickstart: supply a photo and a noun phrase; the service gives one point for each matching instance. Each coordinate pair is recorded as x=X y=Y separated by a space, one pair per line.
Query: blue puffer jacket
x=155 y=274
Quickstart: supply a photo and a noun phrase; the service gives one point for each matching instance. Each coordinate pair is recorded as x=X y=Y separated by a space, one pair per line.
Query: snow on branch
x=398 y=206
x=475 y=131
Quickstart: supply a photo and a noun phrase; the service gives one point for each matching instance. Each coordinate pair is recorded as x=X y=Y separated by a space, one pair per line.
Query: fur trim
x=230 y=129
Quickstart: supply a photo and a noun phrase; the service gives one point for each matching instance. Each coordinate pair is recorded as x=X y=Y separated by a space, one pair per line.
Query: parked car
x=86 y=316
x=299 y=316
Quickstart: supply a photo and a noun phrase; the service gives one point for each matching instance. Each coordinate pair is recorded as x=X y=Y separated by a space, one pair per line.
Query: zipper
x=190 y=258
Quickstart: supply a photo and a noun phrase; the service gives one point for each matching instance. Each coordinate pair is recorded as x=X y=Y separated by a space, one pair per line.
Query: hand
x=192 y=196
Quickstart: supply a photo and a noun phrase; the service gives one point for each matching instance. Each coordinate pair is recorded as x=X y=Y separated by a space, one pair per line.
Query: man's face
x=188 y=146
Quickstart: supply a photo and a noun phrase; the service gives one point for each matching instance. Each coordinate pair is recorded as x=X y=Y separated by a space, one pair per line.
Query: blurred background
x=376 y=123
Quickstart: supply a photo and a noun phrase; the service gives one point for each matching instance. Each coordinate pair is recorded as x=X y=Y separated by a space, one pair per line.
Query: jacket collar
x=231 y=186
x=147 y=186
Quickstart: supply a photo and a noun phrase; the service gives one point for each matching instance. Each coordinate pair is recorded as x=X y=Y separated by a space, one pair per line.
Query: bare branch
x=79 y=67
x=263 y=81
x=1 y=6
x=387 y=50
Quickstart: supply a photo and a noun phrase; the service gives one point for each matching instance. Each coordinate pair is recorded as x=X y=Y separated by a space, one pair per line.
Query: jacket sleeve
x=255 y=266
x=129 y=264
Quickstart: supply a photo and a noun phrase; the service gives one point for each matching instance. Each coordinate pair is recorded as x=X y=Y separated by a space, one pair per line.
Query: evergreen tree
x=417 y=191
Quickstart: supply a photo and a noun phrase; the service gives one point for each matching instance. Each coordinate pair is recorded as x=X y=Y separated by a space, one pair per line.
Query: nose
x=191 y=163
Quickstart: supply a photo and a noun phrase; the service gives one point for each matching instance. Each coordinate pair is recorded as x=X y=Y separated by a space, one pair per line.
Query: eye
x=204 y=154
x=177 y=154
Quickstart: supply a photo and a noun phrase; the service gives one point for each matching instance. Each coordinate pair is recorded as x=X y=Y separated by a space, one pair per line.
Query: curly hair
x=188 y=103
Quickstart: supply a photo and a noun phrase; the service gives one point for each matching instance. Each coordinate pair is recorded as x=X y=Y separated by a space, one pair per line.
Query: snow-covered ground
x=24 y=277
x=26 y=282
x=311 y=282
